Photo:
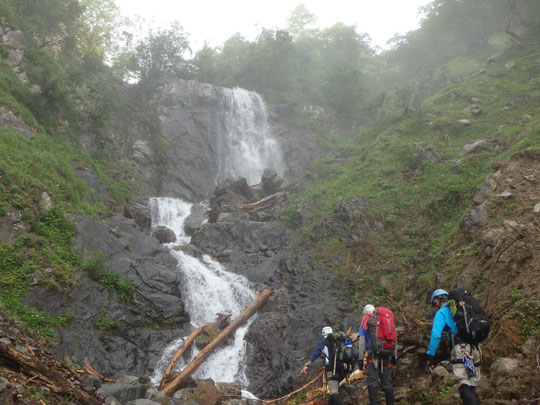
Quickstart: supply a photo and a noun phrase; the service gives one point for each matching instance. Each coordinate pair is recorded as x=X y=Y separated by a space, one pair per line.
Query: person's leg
x=333 y=387
x=335 y=399
x=372 y=380
x=466 y=382
x=332 y=383
x=386 y=381
x=467 y=394
x=476 y=354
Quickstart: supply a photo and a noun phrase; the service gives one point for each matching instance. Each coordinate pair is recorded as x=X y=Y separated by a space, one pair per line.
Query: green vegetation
x=48 y=258
x=420 y=203
x=408 y=98
x=106 y=324
x=110 y=279
x=38 y=184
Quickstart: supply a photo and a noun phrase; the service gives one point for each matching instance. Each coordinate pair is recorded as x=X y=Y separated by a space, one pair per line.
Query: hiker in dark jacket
x=325 y=350
x=465 y=358
x=377 y=367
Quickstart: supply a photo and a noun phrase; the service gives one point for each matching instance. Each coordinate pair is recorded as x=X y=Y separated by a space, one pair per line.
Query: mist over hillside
x=302 y=161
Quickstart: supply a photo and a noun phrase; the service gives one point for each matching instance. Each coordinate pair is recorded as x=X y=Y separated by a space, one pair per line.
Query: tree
x=342 y=46
x=163 y=52
x=299 y=20
x=101 y=21
x=342 y=91
x=49 y=22
x=156 y=54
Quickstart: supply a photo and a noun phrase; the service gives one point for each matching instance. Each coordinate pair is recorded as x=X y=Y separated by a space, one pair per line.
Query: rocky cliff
x=175 y=138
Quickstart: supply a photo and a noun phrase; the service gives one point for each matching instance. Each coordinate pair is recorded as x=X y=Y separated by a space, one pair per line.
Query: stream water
x=245 y=147
x=246 y=144
x=208 y=289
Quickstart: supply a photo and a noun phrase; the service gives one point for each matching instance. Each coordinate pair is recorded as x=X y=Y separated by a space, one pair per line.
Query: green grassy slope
x=28 y=169
x=421 y=203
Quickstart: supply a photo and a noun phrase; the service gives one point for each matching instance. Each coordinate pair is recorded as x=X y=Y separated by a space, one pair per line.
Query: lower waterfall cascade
x=208 y=289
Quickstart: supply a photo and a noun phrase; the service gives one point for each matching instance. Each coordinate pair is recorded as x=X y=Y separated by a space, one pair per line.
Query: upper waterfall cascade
x=246 y=145
x=208 y=290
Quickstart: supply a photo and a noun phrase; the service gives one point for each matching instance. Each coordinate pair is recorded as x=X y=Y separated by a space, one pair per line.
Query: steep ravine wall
x=172 y=136
x=171 y=139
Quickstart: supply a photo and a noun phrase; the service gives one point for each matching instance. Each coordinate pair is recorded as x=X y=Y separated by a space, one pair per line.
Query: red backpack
x=382 y=332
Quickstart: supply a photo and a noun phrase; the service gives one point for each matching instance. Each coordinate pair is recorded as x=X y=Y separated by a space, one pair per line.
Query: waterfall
x=245 y=143
x=208 y=289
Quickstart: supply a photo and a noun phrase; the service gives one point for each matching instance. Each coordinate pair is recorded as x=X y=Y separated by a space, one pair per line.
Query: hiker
x=465 y=357
x=379 y=361
x=325 y=350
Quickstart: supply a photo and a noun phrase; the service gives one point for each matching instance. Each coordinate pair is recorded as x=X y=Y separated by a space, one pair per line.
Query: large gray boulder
x=475 y=218
x=117 y=336
x=271 y=181
x=164 y=234
x=140 y=213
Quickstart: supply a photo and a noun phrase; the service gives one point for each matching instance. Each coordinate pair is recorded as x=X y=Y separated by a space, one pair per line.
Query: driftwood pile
x=33 y=366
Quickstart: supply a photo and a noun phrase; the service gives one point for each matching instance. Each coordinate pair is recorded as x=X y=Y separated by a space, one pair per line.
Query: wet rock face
x=118 y=337
x=189 y=115
x=88 y=176
x=288 y=326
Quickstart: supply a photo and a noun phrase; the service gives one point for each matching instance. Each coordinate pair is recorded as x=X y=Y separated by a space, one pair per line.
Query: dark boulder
x=164 y=234
x=140 y=213
x=237 y=185
x=271 y=181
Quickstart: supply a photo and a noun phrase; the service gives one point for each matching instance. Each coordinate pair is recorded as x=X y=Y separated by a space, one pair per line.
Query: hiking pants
x=458 y=367
x=332 y=383
x=379 y=368
x=374 y=372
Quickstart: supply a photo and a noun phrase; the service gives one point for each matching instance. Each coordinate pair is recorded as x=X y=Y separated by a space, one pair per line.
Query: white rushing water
x=208 y=289
x=246 y=145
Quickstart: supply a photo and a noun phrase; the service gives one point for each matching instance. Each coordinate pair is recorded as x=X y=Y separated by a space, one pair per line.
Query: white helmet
x=368 y=309
x=327 y=330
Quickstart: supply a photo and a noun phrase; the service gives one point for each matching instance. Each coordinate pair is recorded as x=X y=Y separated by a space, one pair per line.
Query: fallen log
x=281 y=399
x=31 y=365
x=89 y=370
x=181 y=350
x=260 y=204
x=170 y=388
x=252 y=207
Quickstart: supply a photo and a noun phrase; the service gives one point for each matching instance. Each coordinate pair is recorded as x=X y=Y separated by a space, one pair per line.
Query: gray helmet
x=368 y=309
x=327 y=330
x=438 y=293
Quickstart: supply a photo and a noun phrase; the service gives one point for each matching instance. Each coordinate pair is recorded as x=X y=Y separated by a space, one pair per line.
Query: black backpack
x=345 y=354
x=471 y=320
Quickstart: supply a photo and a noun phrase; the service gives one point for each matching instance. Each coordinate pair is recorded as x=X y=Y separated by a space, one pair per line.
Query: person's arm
x=314 y=356
x=436 y=332
x=394 y=356
x=361 y=344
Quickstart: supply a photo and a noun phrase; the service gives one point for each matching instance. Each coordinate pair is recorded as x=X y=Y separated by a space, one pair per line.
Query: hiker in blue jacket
x=377 y=367
x=465 y=358
x=325 y=350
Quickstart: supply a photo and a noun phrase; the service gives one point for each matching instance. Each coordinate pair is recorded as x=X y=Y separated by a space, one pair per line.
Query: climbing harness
x=469 y=365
